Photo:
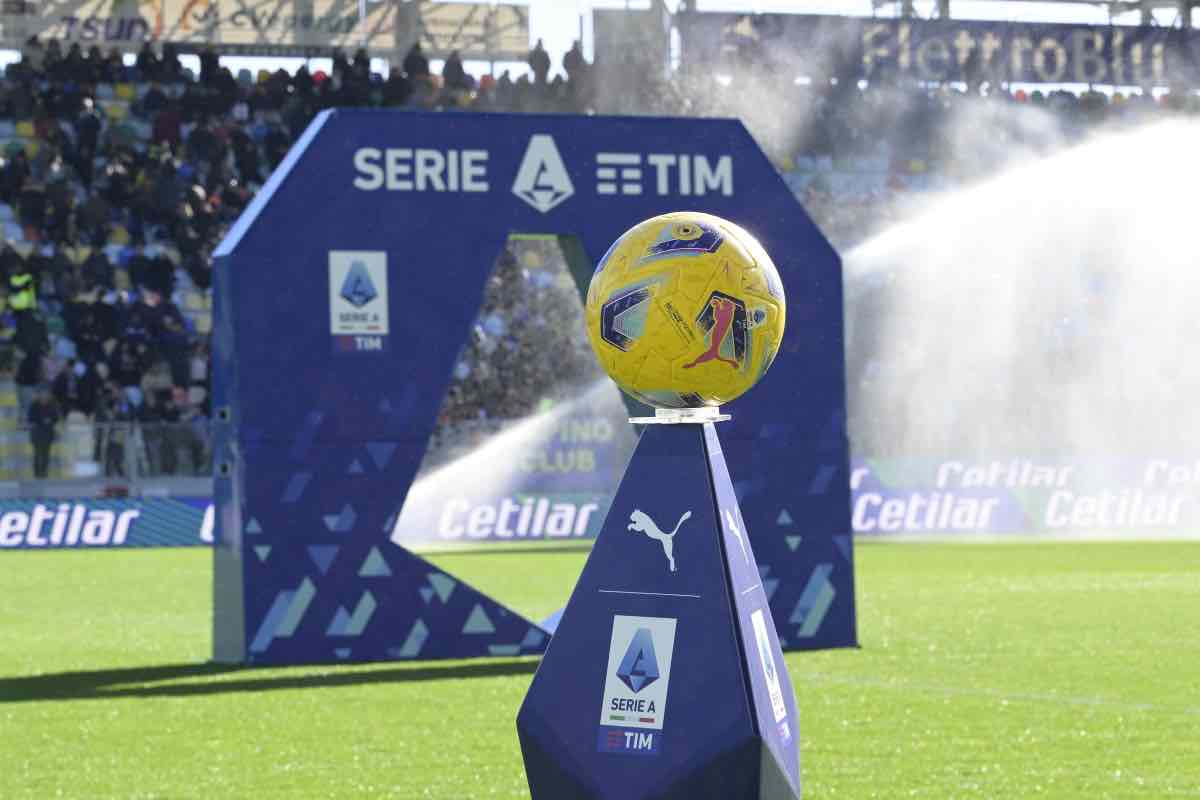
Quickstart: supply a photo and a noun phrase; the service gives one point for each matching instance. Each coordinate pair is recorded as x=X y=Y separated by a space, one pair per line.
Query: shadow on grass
x=132 y=682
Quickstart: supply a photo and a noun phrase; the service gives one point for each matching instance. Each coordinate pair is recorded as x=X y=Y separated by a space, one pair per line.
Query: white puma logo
x=640 y=521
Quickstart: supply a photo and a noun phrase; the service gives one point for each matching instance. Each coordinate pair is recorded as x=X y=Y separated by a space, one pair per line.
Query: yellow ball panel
x=686 y=309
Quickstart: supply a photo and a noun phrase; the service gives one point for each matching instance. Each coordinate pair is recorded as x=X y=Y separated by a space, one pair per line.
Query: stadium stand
x=117 y=181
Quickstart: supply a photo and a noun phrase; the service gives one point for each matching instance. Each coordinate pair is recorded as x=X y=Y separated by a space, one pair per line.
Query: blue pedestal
x=665 y=678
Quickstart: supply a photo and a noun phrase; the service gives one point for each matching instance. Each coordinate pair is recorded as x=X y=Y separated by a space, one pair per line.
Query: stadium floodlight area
x=343 y=297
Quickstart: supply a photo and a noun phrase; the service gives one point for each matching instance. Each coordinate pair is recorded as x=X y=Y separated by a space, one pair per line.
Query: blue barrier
x=344 y=294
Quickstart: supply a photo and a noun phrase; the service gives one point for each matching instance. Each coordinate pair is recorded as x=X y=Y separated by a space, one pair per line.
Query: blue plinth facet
x=665 y=678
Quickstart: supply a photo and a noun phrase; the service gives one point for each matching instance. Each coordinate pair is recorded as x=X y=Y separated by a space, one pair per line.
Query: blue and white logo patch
x=358 y=300
x=766 y=660
x=638 y=675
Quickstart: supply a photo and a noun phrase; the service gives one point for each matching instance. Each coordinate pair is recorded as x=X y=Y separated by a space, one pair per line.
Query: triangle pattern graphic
x=443 y=585
x=478 y=622
x=374 y=566
x=413 y=643
x=388 y=620
x=322 y=555
x=534 y=638
x=793 y=542
x=341 y=620
x=381 y=453
x=262 y=551
x=784 y=518
x=341 y=522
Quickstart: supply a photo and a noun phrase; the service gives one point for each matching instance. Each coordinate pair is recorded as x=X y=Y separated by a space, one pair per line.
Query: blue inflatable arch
x=344 y=294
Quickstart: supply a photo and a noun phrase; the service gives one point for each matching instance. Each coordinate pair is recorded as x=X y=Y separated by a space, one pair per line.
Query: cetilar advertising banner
x=564 y=487
x=561 y=473
x=1146 y=496
x=104 y=523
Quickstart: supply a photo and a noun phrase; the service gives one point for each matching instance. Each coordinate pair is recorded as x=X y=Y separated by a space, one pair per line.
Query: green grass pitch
x=987 y=671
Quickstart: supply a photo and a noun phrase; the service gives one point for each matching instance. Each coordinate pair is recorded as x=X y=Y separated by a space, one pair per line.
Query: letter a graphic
x=542 y=179
x=358 y=289
x=639 y=667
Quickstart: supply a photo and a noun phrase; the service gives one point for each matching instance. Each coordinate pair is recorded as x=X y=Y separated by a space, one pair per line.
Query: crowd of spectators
x=516 y=363
x=117 y=181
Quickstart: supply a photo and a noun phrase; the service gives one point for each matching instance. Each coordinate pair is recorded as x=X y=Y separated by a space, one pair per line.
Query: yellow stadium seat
x=121 y=280
x=32 y=146
x=126 y=91
x=25 y=128
x=119 y=235
x=203 y=324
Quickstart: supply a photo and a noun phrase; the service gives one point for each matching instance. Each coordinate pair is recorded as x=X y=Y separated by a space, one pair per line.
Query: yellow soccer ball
x=685 y=310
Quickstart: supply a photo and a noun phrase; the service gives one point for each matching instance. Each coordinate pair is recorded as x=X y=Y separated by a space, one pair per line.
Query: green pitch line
x=987 y=671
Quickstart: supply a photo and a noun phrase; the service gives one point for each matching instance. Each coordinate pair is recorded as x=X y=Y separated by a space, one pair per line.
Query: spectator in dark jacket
x=209 y=64
x=30 y=372
x=87 y=127
x=167 y=125
x=43 y=418
x=155 y=100
x=113 y=415
x=573 y=63
x=539 y=62
x=415 y=63
x=453 y=74
x=76 y=387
